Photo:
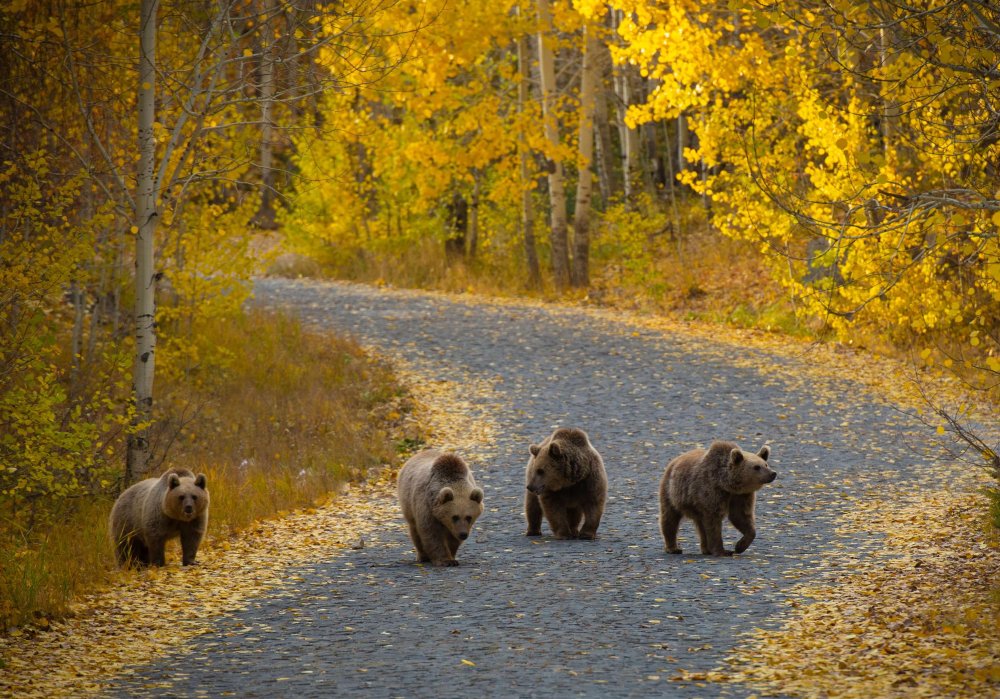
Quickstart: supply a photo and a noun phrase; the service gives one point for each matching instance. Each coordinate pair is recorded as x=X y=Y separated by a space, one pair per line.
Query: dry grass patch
x=277 y=417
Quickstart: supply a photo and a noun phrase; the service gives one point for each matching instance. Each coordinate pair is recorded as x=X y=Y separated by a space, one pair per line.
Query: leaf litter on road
x=913 y=617
x=156 y=611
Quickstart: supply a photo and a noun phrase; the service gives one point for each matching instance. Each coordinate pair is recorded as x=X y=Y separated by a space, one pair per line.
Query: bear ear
x=173 y=481
x=555 y=451
x=445 y=495
x=476 y=495
x=735 y=457
x=201 y=481
x=534 y=449
x=765 y=451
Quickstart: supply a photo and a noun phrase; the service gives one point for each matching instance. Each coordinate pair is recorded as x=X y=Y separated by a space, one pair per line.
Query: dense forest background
x=823 y=168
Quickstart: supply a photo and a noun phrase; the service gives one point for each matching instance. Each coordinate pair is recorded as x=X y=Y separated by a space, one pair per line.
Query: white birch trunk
x=585 y=158
x=137 y=458
x=557 y=190
x=527 y=210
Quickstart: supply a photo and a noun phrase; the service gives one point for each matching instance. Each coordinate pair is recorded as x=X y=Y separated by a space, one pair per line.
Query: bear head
x=748 y=472
x=186 y=497
x=458 y=509
x=553 y=466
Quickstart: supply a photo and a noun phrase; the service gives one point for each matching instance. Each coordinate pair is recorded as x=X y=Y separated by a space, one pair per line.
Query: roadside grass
x=279 y=422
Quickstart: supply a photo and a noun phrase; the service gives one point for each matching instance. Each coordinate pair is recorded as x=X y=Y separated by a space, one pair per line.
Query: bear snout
x=463 y=536
x=771 y=477
x=536 y=489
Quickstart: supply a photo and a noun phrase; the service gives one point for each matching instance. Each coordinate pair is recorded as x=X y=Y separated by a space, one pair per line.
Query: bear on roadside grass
x=566 y=482
x=155 y=510
x=440 y=502
x=708 y=486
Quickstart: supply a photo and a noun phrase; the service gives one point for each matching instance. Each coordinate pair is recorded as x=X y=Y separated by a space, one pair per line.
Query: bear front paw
x=675 y=550
x=589 y=536
x=533 y=532
x=448 y=563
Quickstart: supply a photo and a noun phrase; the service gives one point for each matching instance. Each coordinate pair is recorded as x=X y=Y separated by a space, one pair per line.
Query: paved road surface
x=614 y=618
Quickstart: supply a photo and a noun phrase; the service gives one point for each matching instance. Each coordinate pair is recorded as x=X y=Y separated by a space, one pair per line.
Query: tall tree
x=585 y=159
x=526 y=182
x=558 y=235
x=146 y=218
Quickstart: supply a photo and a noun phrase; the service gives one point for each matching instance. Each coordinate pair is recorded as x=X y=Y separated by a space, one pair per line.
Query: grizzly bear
x=709 y=485
x=440 y=502
x=155 y=510
x=565 y=481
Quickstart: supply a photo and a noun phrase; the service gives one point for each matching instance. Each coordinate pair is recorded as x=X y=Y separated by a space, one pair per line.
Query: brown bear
x=709 y=485
x=152 y=511
x=440 y=502
x=565 y=481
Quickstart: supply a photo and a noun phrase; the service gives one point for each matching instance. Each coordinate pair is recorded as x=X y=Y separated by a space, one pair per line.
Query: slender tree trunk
x=585 y=158
x=137 y=458
x=682 y=143
x=631 y=152
x=265 y=215
x=557 y=191
x=527 y=210
x=474 y=217
x=607 y=173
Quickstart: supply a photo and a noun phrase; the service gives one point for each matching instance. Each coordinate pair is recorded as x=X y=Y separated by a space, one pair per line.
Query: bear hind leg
x=670 y=522
x=574 y=518
x=157 y=553
x=711 y=530
x=592 y=514
x=132 y=552
x=559 y=522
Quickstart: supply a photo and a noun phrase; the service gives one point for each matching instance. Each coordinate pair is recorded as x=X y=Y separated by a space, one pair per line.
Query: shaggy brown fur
x=706 y=486
x=565 y=481
x=440 y=502
x=156 y=510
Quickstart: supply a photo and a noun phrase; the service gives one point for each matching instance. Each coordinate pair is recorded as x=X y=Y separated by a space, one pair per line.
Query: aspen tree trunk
x=557 y=191
x=474 y=217
x=137 y=457
x=527 y=210
x=265 y=215
x=631 y=165
x=585 y=157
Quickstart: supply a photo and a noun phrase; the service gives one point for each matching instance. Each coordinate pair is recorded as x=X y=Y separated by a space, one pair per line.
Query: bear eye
x=540 y=471
x=455 y=518
x=468 y=519
x=756 y=468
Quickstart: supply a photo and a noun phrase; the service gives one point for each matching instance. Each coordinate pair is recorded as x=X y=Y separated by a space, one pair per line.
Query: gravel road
x=615 y=617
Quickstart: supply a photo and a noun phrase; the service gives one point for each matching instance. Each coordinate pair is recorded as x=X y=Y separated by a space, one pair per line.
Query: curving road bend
x=616 y=617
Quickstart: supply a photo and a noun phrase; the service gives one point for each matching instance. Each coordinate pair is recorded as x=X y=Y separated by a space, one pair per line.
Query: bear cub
x=440 y=502
x=707 y=486
x=155 y=510
x=566 y=482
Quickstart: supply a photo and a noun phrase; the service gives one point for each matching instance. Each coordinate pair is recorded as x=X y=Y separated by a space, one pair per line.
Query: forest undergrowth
x=280 y=423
